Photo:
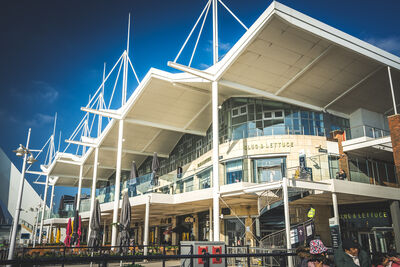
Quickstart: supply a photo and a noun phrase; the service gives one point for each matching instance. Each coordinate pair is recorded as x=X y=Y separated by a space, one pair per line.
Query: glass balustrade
x=365 y=131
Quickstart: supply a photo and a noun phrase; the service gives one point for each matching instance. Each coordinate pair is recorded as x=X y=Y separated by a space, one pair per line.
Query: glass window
x=235 y=232
x=268 y=115
x=269 y=169
x=204 y=179
x=279 y=114
x=239 y=111
x=273 y=114
x=234 y=171
x=239 y=131
x=188 y=183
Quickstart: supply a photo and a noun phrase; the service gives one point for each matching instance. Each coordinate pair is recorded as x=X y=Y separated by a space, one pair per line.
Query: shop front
x=184 y=228
x=370 y=224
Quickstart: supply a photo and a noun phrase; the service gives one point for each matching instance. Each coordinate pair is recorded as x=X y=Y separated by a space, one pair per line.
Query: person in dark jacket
x=304 y=255
x=349 y=254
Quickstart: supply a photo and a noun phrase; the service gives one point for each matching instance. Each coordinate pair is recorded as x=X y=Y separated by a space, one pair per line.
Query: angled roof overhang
x=284 y=56
x=161 y=109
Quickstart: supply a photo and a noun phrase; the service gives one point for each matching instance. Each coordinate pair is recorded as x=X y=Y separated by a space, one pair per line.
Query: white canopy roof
x=284 y=56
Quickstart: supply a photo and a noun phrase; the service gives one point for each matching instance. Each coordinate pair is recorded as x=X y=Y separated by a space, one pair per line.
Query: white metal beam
x=105 y=113
x=164 y=127
x=129 y=151
x=196 y=72
x=69 y=162
x=353 y=87
x=367 y=142
x=192 y=88
x=36 y=172
x=299 y=74
x=105 y=167
x=80 y=143
x=83 y=178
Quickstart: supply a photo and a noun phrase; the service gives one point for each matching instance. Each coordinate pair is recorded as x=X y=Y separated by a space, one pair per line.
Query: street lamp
x=20 y=151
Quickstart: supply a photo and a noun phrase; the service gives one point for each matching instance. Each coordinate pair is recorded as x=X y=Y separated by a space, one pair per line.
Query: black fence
x=60 y=256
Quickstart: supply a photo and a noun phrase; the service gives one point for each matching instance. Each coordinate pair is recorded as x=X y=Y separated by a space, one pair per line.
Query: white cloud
x=223 y=47
x=40 y=119
x=390 y=44
x=45 y=91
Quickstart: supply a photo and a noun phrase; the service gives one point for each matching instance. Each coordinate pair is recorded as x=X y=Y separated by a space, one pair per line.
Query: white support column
x=287 y=218
x=104 y=234
x=391 y=88
x=117 y=183
x=36 y=225
x=43 y=209
x=146 y=225
x=215 y=30
x=215 y=159
x=335 y=208
x=215 y=134
x=94 y=182
x=50 y=211
x=78 y=199
x=211 y=223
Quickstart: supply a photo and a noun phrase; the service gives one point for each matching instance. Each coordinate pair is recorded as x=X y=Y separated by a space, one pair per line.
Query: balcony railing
x=317 y=168
x=365 y=131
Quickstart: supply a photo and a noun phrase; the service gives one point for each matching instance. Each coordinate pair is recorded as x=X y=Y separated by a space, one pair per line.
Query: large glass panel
x=268 y=169
x=204 y=179
x=234 y=171
x=391 y=173
x=239 y=131
x=235 y=232
x=188 y=183
x=333 y=166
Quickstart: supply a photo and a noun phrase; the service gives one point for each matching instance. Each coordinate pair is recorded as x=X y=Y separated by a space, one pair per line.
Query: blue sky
x=52 y=52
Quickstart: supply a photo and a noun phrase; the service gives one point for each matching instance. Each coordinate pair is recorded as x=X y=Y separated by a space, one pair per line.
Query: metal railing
x=234 y=256
x=277 y=239
x=365 y=131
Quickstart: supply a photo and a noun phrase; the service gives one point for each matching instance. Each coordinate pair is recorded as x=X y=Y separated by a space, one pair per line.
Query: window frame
x=239 y=113
x=273 y=112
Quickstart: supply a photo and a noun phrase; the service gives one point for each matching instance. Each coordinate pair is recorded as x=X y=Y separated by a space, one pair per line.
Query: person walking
x=319 y=257
x=349 y=254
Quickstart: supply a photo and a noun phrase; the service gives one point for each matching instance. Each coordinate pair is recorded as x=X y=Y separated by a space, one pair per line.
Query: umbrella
x=58 y=235
x=124 y=224
x=133 y=179
x=155 y=166
x=95 y=238
x=67 y=240
x=75 y=238
x=51 y=236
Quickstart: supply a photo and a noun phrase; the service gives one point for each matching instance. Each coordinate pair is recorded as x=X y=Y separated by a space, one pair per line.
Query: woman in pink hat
x=319 y=256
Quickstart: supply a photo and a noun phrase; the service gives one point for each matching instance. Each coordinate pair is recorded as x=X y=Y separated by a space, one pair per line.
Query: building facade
x=297 y=103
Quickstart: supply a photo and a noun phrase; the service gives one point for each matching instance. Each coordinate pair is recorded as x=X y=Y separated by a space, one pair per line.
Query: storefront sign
x=367 y=218
x=269 y=145
x=203 y=162
x=189 y=219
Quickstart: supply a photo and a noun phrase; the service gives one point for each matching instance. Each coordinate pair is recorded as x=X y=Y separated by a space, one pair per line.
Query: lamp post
x=21 y=151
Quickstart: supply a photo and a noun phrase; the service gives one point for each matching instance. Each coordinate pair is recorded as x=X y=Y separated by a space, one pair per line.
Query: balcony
x=366 y=139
